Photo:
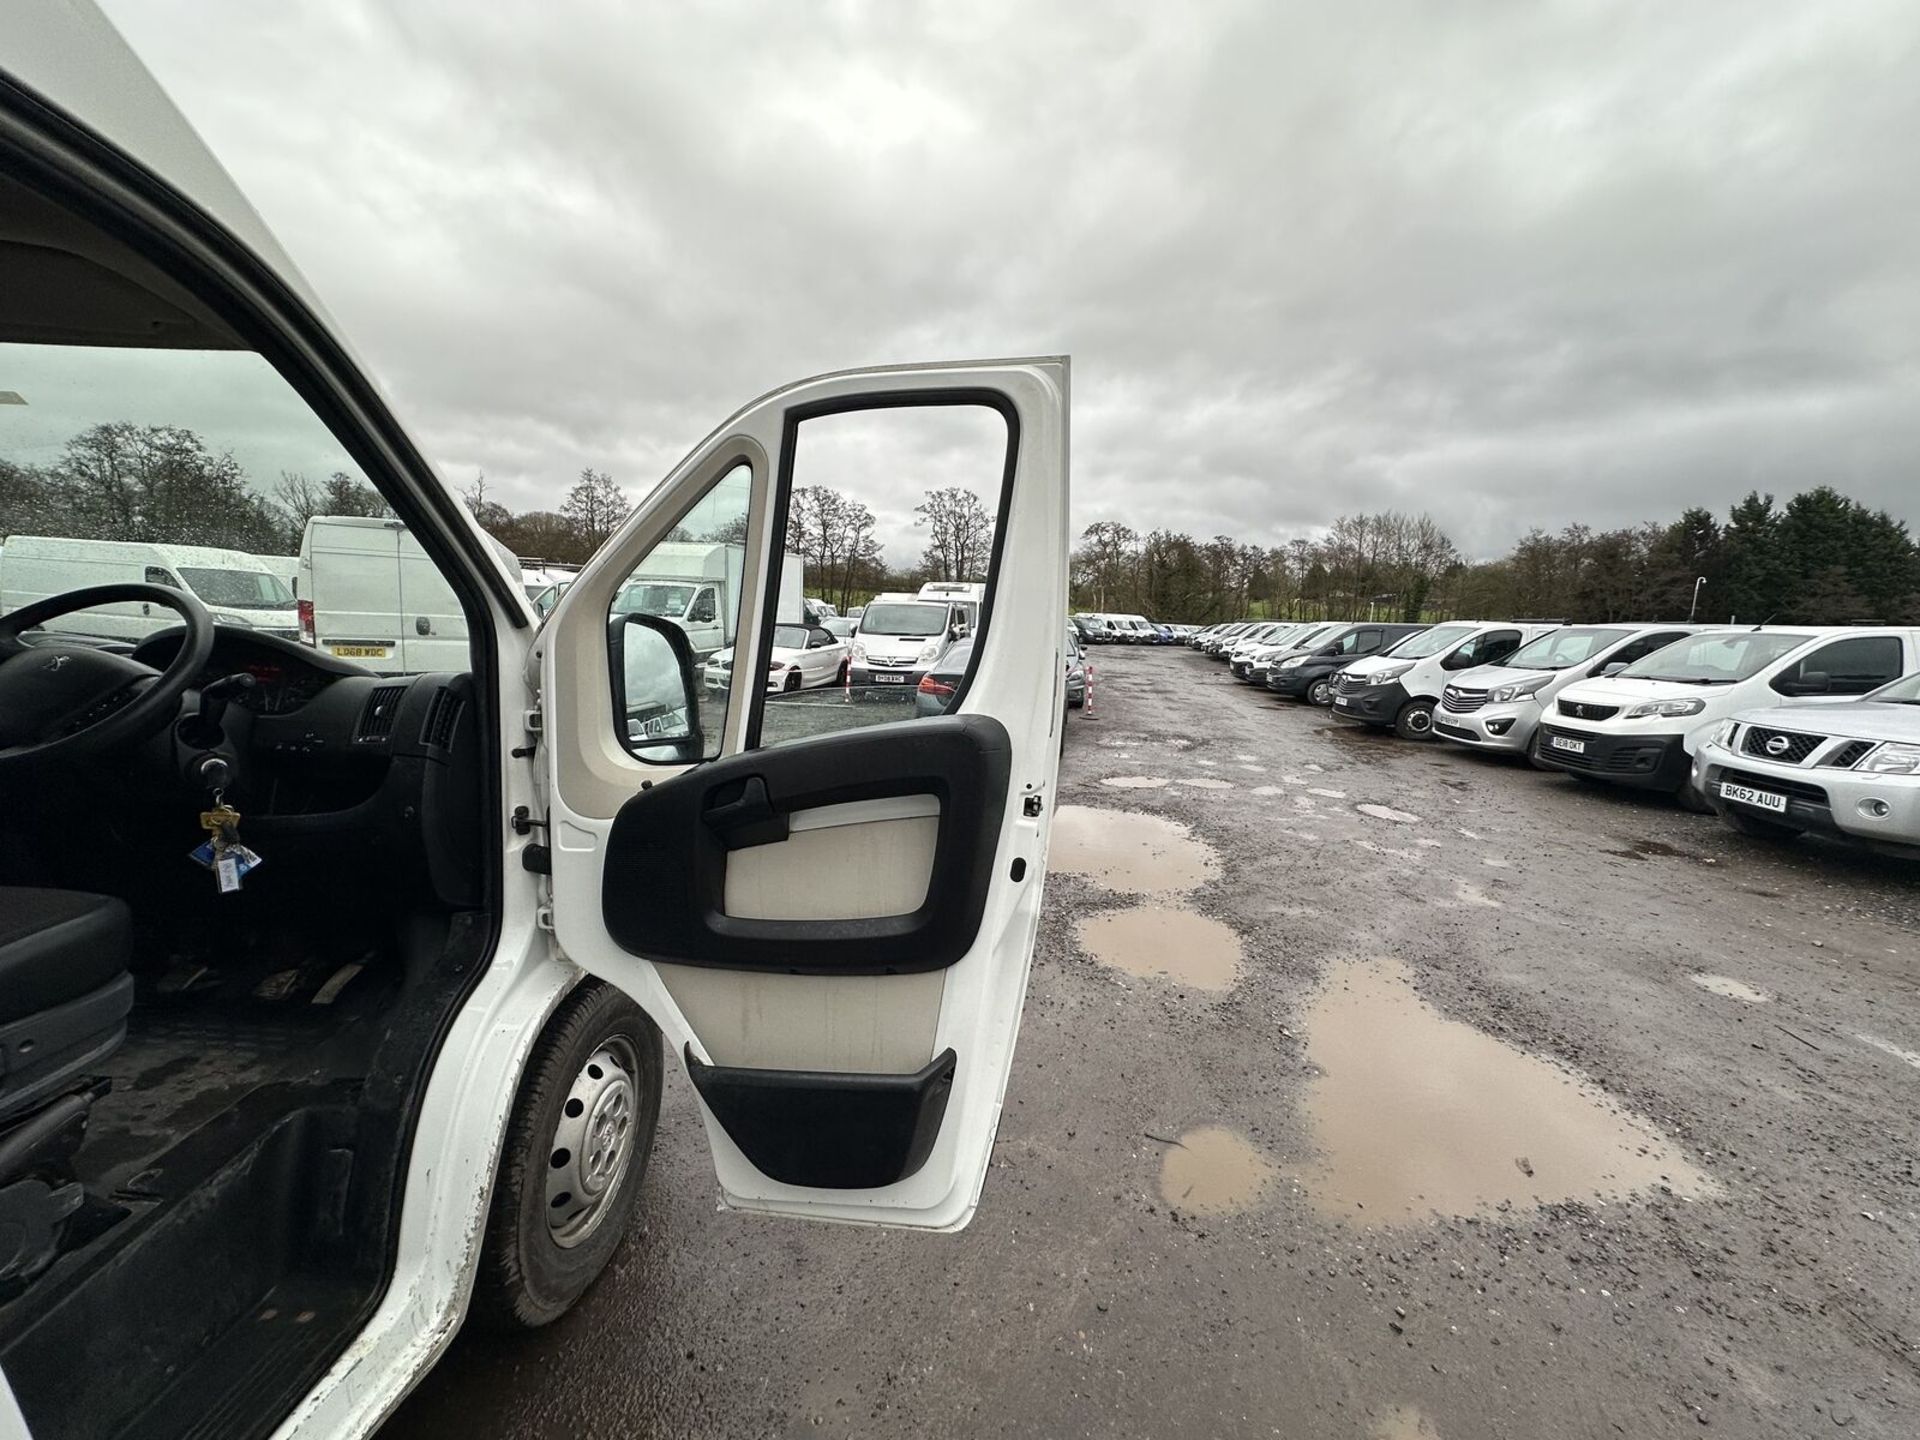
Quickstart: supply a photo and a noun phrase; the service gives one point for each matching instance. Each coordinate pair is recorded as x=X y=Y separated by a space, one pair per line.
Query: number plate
x=880 y=677
x=1342 y=701
x=359 y=652
x=1759 y=799
x=1561 y=742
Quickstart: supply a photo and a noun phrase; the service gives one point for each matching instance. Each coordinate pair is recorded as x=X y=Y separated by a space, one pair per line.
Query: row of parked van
x=1780 y=729
x=1095 y=628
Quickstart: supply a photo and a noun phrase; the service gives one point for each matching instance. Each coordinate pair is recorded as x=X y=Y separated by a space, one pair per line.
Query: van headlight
x=1392 y=672
x=1291 y=661
x=1519 y=690
x=929 y=653
x=1666 y=707
x=859 y=651
x=1724 y=732
x=1894 y=760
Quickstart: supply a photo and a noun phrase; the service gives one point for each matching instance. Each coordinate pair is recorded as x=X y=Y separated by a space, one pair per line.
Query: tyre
x=1320 y=693
x=846 y=668
x=1760 y=828
x=793 y=681
x=575 y=1153
x=1533 y=753
x=1415 y=720
x=1691 y=798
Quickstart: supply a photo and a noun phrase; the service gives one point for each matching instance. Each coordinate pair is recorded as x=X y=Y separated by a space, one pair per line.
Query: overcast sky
x=1514 y=264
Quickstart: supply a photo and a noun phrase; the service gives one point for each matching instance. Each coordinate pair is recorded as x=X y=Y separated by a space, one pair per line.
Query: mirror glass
x=654 y=698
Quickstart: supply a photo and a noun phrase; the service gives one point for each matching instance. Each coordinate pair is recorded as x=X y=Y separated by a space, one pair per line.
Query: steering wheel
x=64 y=702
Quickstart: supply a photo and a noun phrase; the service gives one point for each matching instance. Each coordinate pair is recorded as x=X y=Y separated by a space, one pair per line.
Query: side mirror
x=1605 y=671
x=656 y=706
x=1809 y=682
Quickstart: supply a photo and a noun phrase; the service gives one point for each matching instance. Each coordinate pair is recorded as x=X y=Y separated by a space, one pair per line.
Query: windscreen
x=1431 y=642
x=790 y=637
x=1561 y=648
x=667 y=601
x=1722 y=659
x=239 y=589
x=904 y=619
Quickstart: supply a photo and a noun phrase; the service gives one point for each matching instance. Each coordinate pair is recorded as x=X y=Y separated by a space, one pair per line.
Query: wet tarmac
x=1479 y=1139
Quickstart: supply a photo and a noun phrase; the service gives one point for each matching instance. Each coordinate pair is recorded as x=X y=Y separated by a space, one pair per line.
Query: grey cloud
x=1515 y=265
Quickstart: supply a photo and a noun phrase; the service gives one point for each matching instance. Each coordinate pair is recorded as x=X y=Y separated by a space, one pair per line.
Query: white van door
x=833 y=930
x=433 y=628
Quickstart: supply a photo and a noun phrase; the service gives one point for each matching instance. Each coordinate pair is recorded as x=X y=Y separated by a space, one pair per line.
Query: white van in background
x=1643 y=727
x=1401 y=687
x=286 y=568
x=369 y=594
x=967 y=595
x=1498 y=707
x=237 y=588
x=899 y=637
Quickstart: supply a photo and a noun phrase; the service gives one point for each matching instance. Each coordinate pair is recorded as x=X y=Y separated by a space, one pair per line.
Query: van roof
x=196 y=555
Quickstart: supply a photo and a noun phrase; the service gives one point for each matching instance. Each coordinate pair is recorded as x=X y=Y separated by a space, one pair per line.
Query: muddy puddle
x=1402 y=1422
x=1413 y=1113
x=1136 y=782
x=1164 y=942
x=1123 y=850
x=1211 y=1171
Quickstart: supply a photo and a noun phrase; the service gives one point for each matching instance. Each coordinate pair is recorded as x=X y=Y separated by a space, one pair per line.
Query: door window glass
x=893 y=510
x=674 y=619
x=1849 y=667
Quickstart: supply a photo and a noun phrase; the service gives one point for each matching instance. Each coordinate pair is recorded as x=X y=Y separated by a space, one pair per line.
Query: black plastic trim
x=827 y=1129
x=663 y=895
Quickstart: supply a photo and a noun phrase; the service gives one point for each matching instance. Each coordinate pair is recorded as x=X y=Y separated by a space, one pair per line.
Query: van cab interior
x=207 y=1068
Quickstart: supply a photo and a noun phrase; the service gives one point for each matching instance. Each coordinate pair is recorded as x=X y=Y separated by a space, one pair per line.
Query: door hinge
x=523 y=822
x=543 y=917
x=532 y=720
x=1032 y=806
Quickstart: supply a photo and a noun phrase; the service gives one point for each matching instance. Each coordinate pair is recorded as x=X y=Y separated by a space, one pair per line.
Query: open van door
x=829 y=911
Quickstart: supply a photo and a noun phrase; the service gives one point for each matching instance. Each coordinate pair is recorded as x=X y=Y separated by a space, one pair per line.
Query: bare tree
x=594 y=507
x=960 y=534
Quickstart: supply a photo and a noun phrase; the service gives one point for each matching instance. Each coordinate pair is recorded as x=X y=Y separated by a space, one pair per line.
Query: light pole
x=1696 y=598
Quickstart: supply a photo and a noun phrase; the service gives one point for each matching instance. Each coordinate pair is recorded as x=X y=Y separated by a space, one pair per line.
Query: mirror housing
x=1607 y=671
x=656 y=699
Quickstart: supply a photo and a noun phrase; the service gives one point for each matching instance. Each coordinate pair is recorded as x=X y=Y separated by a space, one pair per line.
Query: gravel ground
x=1164 y=1247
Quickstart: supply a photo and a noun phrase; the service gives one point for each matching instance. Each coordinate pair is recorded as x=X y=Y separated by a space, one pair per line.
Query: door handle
x=748 y=818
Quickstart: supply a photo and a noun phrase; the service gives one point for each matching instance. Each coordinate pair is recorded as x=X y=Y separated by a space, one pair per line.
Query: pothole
x=1163 y=942
x=1204 y=782
x=1135 y=782
x=1125 y=850
x=1731 y=988
x=1385 y=812
x=1414 y=1113
x=1212 y=1171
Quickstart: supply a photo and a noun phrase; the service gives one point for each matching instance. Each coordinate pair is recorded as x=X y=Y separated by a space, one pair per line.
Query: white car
x=412 y=1067
x=1497 y=707
x=1643 y=727
x=804 y=657
x=1849 y=770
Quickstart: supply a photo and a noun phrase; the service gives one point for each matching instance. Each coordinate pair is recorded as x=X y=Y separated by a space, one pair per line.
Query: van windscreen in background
x=1431 y=642
x=669 y=602
x=1720 y=659
x=904 y=620
x=1561 y=648
x=238 y=589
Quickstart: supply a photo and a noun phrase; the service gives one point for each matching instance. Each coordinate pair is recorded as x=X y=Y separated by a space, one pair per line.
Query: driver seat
x=65 y=990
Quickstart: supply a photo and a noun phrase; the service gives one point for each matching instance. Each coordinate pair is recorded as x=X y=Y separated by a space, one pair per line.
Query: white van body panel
x=376 y=597
x=33 y=567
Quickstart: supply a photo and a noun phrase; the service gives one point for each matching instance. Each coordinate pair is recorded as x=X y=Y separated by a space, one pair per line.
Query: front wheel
x=1320 y=693
x=576 y=1150
x=1415 y=720
x=793 y=681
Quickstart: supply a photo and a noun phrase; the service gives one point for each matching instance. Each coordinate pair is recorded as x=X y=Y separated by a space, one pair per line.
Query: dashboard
x=286 y=675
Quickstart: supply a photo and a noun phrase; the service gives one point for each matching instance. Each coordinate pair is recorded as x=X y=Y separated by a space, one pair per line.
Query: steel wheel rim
x=1419 y=720
x=592 y=1147
x=1321 y=691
